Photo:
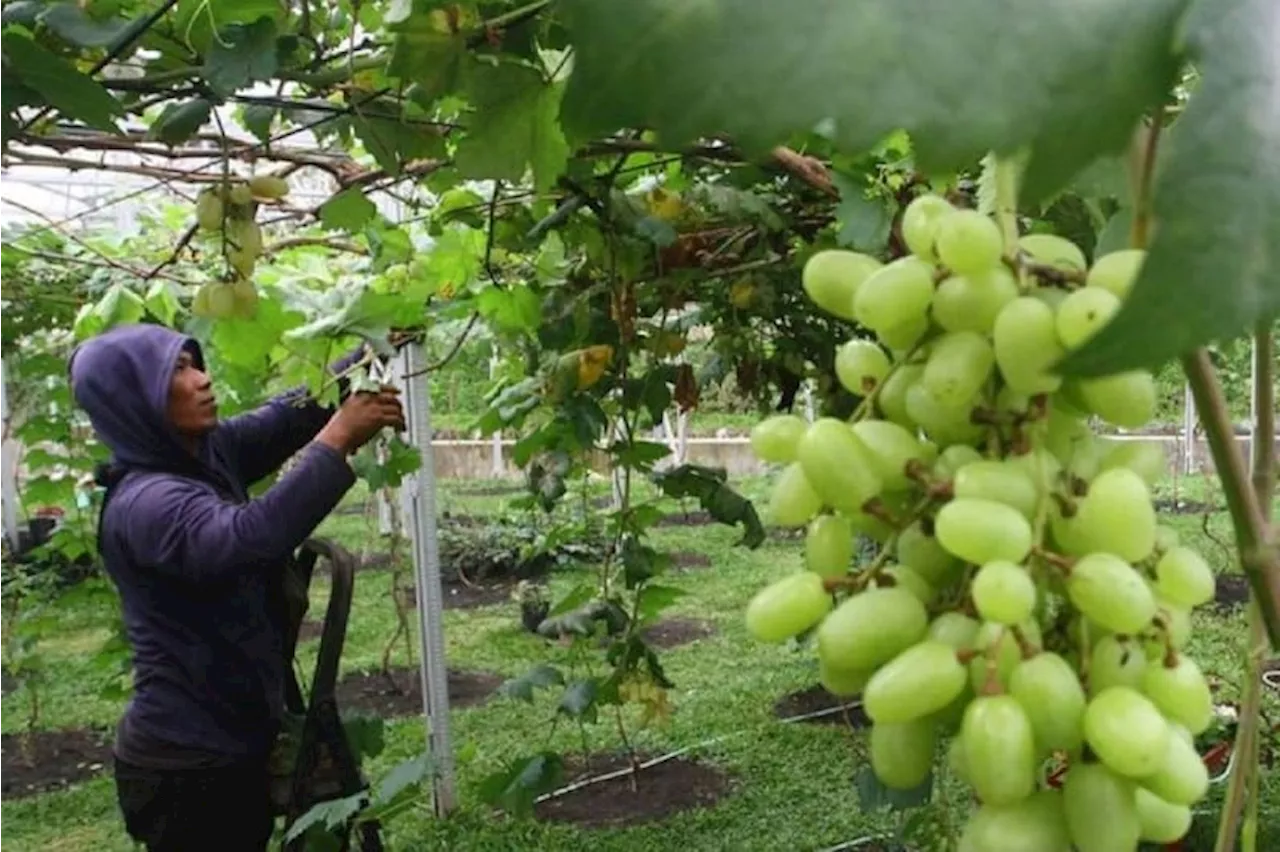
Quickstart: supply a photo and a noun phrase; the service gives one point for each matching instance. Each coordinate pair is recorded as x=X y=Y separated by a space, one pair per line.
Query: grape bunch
x=229 y=212
x=1025 y=605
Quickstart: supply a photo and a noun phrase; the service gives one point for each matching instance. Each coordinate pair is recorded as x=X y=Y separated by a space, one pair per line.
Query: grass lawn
x=791 y=784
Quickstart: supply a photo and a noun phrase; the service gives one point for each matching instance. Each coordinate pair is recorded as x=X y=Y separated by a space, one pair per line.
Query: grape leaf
x=1212 y=267
x=514 y=126
x=197 y=20
x=180 y=121
x=257 y=119
x=961 y=76
x=864 y=222
x=349 y=210
x=75 y=26
x=58 y=82
x=242 y=54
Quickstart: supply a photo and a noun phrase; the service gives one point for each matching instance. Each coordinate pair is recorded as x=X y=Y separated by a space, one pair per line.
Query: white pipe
x=9 y=464
x=433 y=674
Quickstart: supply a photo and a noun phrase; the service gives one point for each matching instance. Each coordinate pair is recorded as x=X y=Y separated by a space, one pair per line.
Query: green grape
x=1182 y=778
x=902 y=754
x=1052 y=296
x=1127 y=400
x=972 y=302
x=1116 y=271
x=892 y=399
x=788 y=607
x=955 y=629
x=1083 y=314
x=1145 y=458
x=1100 y=809
x=959 y=364
x=1055 y=251
x=998 y=643
x=1004 y=592
x=1065 y=435
x=1115 y=662
x=895 y=295
x=982 y=531
x=837 y=465
x=998 y=481
x=943 y=422
x=871 y=526
x=920 y=681
x=923 y=554
x=968 y=242
x=828 y=546
x=1126 y=731
x=842 y=683
x=1116 y=516
x=903 y=337
x=920 y=224
x=950 y=718
x=1026 y=345
x=861 y=366
x=1160 y=821
x=775 y=438
x=792 y=502
x=1036 y=824
x=871 y=628
x=928 y=451
x=953 y=459
x=999 y=750
x=1177 y=625
x=1049 y=692
x=890 y=447
x=903 y=577
x=1181 y=693
x=1012 y=402
x=1040 y=466
x=832 y=277
x=1107 y=590
x=1183 y=577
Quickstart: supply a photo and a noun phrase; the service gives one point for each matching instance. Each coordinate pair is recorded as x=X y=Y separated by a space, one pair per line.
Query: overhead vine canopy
x=543 y=95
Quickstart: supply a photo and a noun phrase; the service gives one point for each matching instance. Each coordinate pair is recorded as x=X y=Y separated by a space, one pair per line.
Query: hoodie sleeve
x=262 y=440
x=182 y=527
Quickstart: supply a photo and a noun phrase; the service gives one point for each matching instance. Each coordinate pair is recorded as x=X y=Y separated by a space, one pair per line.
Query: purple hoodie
x=197 y=562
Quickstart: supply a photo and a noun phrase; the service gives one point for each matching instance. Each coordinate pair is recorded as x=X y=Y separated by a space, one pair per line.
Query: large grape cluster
x=1025 y=603
x=228 y=210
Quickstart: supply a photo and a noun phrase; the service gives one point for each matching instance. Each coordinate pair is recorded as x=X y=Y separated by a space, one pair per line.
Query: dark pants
x=196 y=810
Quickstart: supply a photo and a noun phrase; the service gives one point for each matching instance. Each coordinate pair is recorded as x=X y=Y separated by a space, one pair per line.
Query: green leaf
x=874 y=794
x=75 y=26
x=654 y=599
x=576 y=597
x=579 y=700
x=514 y=126
x=516 y=787
x=1115 y=234
x=864 y=222
x=718 y=499
x=349 y=211
x=180 y=121
x=540 y=676
x=73 y=94
x=406 y=775
x=242 y=54
x=197 y=21
x=513 y=310
x=961 y=76
x=258 y=119
x=1212 y=268
x=429 y=60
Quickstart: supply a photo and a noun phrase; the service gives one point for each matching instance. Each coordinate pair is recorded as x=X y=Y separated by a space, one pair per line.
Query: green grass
x=792 y=784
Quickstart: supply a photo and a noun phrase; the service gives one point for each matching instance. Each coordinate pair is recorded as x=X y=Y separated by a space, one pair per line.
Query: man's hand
x=362 y=416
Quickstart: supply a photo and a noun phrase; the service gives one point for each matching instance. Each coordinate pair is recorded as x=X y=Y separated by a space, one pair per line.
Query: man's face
x=193 y=409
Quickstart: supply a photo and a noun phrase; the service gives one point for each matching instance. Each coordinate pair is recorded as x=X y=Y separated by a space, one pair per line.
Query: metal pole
x=421 y=525
x=9 y=508
x=1188 y=431
x=1253 y=398
x=497 y=468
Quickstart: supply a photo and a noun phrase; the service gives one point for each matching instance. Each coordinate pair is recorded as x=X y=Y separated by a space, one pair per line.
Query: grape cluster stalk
x=1026 y=609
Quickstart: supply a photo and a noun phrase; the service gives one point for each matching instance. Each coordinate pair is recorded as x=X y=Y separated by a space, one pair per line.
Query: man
x=199 y=568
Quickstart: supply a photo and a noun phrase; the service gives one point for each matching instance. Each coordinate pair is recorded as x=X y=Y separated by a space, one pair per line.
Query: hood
x=121 y=379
